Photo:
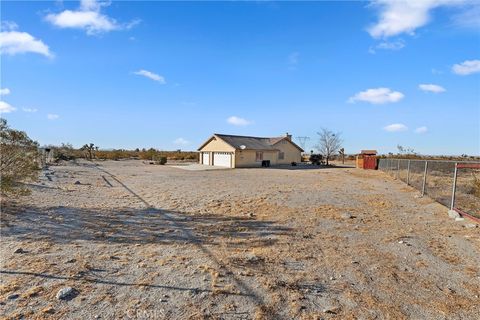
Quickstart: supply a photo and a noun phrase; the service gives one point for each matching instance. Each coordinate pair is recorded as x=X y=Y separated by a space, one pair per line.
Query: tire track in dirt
x=245 y=290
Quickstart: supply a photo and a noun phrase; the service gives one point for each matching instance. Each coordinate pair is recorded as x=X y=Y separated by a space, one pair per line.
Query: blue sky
x=169 y=74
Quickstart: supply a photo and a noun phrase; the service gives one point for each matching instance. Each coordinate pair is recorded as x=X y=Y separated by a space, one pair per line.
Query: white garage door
x=206 y=158
x=222 y=159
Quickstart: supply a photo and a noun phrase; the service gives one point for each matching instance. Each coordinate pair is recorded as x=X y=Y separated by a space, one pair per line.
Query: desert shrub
x=476 y=186
x=192 y=156
x=148 y=154
x=19 y=159
x=162 y=160
x=64 y=152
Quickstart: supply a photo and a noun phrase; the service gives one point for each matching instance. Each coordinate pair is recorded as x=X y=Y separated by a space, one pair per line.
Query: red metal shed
x=367 y=159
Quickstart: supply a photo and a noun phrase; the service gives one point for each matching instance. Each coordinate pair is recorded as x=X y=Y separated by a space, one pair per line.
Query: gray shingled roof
x=250 y=143
x=255 y=143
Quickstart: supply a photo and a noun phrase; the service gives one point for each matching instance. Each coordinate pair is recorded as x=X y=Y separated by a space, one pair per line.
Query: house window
x=259 y=156
x=281 y=155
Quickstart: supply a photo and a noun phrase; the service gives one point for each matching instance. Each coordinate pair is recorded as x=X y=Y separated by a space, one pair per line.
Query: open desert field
x=139 y=241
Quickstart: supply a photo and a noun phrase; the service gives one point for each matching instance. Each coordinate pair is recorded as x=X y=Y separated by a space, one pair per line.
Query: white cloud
x=30 y=110
x=8 y=25
x=4 y=91
x=395 y=127
x=93 y=4
x=181 y=142
x=421 y=129
x=151 y=75
x=6 y=108
x=467 y=67
x=469 y=18
x=13 y=42
x=237 y=121
x=52 y=116
x=388 y=45
x=93 y=22
x=377 y=96
x=397 y=17
x=431 y=88
x=88 y=17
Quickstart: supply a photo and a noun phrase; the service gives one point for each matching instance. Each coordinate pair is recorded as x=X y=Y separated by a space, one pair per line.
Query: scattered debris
x=48 y=310
x=453 y=214
x=332 y=310
x=346 y=215
x=252 y=258
x=66 y=293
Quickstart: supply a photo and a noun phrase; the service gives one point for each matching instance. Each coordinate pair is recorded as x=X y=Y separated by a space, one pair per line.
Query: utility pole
x=302 y=141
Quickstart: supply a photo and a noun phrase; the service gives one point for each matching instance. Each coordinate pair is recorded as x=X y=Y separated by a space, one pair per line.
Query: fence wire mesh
x=439 y=181
x=435 y=178
x=467 y=195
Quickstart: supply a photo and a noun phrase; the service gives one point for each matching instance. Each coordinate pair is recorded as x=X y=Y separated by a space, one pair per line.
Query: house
x=242 y=151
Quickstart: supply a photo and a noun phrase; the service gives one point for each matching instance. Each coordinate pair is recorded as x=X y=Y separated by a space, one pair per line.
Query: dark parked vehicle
x=316 y=159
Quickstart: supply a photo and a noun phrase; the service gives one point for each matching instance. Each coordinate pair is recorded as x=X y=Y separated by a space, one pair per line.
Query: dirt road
x=140 y=241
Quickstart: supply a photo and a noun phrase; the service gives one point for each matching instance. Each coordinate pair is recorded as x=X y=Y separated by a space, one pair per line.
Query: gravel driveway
x=137 y=241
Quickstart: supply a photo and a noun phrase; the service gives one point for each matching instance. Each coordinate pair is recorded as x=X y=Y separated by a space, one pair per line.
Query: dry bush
x=476 y=186
x=19 y=159
x=65 y=152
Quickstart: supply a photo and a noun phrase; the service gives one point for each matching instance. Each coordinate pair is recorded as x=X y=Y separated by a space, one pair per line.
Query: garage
x=222 y=159
x=206 y=158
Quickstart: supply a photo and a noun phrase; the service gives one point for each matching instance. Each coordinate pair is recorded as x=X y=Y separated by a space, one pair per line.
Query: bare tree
x=329 y=143
x=405 y=151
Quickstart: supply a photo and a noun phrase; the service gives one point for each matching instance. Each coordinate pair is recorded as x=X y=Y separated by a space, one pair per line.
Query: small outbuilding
x=367 y=159
x=232 y=151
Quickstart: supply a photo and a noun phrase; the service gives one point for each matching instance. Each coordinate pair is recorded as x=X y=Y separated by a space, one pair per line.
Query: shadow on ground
x=150 y=225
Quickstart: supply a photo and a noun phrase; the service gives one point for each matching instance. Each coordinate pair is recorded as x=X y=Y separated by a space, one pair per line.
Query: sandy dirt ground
x=139 y=241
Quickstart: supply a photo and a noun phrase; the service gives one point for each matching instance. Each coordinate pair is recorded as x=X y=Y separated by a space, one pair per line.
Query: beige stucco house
x=242 y=151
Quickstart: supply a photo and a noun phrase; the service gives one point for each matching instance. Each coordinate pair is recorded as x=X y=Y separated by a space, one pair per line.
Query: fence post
x=424 y=178
x=408 y=173
x=398 y=168
x=452 y=204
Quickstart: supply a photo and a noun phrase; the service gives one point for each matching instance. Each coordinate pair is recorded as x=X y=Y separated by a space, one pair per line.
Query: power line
x=302 y=141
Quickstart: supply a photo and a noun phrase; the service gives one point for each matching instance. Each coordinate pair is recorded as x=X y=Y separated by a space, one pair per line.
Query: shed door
x=206 y=158
x=222 y=159
x=369 y=162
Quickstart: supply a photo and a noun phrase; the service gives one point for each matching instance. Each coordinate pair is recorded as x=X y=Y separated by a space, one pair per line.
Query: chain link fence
x=453 y=184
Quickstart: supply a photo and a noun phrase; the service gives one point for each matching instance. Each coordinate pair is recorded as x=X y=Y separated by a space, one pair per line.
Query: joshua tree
x=88 y=149
x=329 y=143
